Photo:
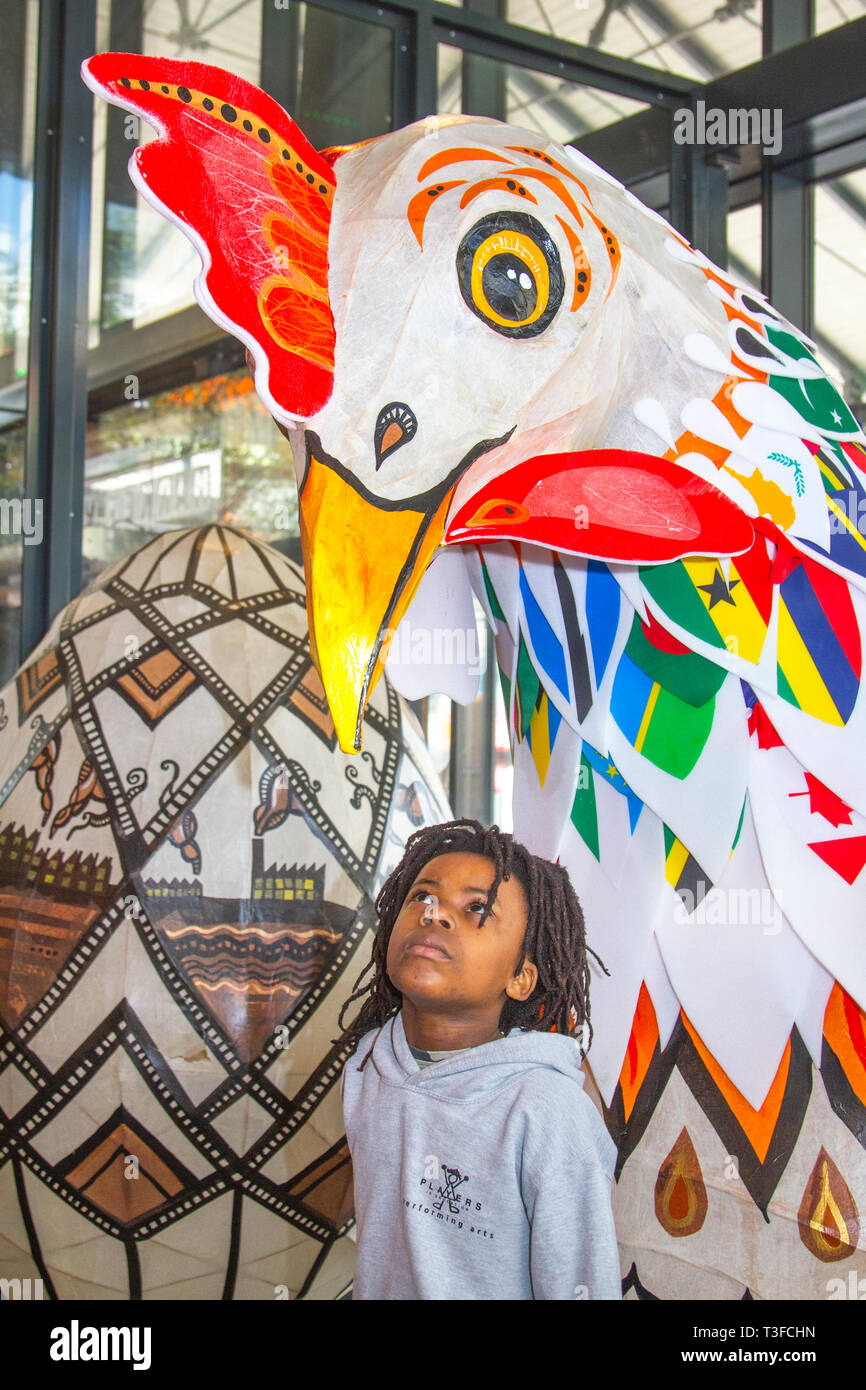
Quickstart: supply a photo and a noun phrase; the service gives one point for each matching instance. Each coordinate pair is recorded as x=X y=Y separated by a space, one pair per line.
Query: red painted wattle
x=613 y=504
x=235 y=172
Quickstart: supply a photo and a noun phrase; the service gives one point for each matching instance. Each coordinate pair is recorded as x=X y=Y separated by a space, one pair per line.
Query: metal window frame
x=489 y=36
x=389 y=16
x=820 y=84
x=57 y=365
x=787 y=221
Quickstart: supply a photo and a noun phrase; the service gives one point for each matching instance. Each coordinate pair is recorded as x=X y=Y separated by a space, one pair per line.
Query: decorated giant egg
x=188 y=865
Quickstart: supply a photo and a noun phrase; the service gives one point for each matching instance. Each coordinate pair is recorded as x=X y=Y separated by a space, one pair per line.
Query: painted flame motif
x=680 y=1194
x=642 y=1043
x=828 y=1220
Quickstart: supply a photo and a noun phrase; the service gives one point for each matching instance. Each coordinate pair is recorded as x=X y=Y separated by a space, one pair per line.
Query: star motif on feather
x=718 y=590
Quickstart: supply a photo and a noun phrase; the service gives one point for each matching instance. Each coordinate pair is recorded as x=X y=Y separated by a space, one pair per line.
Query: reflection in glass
x=560 y=110
x=204 y=451
x=470 y=771
x=142 y=267
x=829 y=14
x=840 y=284
x=438 y=736
x=346 y=78
x=18 y=86
x=695 y=38
x=11 y=490
x=744 y=244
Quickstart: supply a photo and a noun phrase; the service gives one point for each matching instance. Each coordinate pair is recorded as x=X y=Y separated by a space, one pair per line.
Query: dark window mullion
x=120 y=204
x=57 y=382
x=787 y=217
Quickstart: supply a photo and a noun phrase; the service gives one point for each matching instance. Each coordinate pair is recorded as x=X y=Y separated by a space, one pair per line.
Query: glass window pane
x=694 y=38
x=840 y=284
x=17 y=513
x=345 y=78
x=560 y=110
x=438 y=736
x=829 y=14
x=470 y=773
x=195 y=444
x=744 y=243
x=503 y=768
x=202 y=451
x=143 y=267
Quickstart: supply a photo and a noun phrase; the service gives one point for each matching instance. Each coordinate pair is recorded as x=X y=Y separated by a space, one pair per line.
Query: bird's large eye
x=510 y=274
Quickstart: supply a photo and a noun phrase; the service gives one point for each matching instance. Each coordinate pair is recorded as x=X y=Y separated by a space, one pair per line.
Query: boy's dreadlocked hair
x=555 y=937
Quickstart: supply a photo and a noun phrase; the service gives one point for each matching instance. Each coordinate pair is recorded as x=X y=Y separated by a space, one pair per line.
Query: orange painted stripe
x=420 y=205
x=553 y=164
x=503 y=182
x=723 y=400
x=689 y=442
x=638 y=1055
x=457 y=156
x=845 y=1031
x=581 y=263
x=716 y=275
x=553 y=182
x=611 y=246
x=757 y=1125
x=693 y=443
x=742 y=317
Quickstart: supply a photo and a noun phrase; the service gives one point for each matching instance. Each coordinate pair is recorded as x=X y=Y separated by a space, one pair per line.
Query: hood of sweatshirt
x=477 y=1070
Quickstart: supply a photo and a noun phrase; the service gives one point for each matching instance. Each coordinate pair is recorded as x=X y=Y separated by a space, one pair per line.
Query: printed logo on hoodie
x=450 y=1201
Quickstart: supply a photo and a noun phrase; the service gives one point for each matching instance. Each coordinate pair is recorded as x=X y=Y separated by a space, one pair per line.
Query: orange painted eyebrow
x=507 y=185
x=554 y=164
x=456 y=156
x=581 y=264
x=420 y=205
x=611 y=246
x=553 y=182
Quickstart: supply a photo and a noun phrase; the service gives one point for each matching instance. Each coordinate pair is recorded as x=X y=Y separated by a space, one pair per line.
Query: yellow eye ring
x=510 y=274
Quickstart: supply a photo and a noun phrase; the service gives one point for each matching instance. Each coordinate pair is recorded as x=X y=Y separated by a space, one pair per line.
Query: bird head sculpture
x=500 y=281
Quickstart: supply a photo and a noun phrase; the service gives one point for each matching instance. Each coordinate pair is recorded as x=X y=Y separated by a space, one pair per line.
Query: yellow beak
x=364 y=561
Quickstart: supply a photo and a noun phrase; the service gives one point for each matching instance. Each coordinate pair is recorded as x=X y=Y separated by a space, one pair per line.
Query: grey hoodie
x=486 y=1176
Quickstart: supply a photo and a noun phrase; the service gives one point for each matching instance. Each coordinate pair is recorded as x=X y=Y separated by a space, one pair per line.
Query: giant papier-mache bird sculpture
x=503 y=375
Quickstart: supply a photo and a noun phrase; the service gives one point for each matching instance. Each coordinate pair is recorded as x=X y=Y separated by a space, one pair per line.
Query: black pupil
x=509 y=287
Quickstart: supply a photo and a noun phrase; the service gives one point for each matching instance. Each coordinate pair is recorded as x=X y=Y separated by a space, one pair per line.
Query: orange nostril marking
x=392 y=436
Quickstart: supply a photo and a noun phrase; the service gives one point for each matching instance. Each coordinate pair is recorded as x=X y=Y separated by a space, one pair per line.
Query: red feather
x=254 y=197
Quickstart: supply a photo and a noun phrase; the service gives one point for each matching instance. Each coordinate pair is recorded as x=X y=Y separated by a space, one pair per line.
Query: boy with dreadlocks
x=482 y=1170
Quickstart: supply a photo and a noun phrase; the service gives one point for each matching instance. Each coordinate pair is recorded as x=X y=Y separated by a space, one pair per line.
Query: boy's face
x=437 y=956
